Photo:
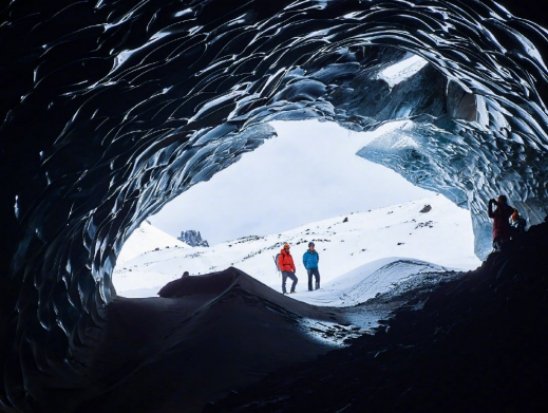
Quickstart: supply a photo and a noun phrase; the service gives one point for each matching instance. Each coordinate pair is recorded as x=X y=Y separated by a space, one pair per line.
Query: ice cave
x=110 y=109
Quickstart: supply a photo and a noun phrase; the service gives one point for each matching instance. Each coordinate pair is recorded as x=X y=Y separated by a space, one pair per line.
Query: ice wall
x=110 y=109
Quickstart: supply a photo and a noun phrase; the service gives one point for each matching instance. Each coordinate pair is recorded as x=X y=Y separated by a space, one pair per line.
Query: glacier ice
x=111 y=109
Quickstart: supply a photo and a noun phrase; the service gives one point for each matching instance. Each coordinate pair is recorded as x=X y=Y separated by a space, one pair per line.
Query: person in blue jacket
x=311 y=258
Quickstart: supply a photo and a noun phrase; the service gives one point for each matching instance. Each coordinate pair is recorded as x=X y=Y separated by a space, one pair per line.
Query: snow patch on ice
x=330 y=333
x=402 y=70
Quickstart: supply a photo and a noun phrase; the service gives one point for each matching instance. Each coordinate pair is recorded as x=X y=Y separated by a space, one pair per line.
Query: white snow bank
x=366 y=281
x=147 y=238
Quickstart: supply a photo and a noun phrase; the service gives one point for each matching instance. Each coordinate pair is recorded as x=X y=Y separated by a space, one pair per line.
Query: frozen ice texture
x=111 y=109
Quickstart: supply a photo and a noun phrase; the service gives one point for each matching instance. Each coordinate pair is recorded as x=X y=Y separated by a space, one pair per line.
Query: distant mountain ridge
x=193 y=238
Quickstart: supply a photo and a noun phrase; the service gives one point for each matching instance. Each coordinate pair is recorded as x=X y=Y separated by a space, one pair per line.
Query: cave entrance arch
x=308 y=173
x=111 y=114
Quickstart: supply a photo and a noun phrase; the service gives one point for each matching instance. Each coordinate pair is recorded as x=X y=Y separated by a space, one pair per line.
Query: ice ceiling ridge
x=110 y=109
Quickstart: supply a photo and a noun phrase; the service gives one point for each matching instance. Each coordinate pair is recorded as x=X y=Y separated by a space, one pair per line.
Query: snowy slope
x=442 y=236
x=147 y=238
x=368 y=280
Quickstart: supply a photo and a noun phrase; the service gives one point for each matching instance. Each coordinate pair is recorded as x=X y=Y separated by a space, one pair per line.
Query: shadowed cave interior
x=111 y=109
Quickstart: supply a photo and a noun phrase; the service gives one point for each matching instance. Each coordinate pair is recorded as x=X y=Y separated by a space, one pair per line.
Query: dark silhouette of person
x=287 y=267
x=185 y=274
x=517 y=224
x=501 y=224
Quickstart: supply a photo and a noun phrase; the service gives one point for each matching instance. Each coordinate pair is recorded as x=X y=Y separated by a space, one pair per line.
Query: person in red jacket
x=287 y=267
x=501 y=223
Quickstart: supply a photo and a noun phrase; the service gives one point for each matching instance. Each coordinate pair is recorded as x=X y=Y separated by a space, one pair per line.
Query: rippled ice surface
x=110 y=109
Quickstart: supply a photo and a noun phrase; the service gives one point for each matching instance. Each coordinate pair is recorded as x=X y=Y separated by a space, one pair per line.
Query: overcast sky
x=309 y=172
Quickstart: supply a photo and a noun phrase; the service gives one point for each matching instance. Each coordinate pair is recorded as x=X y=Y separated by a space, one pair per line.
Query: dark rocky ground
x=474 y=344
x=224 y=342
x=214 y=333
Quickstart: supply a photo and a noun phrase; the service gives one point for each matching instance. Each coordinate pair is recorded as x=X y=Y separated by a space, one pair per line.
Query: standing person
x=501 y=224
x=517 y=224
x=287 y=267
x=311 y=258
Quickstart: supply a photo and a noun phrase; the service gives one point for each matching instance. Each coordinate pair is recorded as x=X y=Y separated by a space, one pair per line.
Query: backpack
x=276 y=261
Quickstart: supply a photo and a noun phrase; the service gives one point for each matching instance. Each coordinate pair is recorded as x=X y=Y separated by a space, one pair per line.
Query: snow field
x=346 y=244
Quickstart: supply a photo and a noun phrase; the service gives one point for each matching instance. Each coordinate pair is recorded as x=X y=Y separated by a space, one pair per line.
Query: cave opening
x=112 y=109
x=309 y=173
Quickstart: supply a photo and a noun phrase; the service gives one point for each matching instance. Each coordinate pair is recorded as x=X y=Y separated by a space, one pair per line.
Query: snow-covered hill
x=442 y=236
x=147 y=238
x=368 y=280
